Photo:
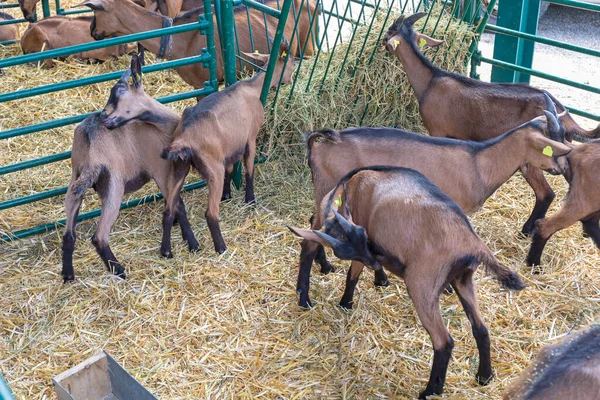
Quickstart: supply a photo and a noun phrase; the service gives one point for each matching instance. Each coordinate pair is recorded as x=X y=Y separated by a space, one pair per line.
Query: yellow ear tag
x=547 y=151
x=283 y=54
x=256 y=52
x=422 y=43
x=138 y=77
x=395 y=43
x=338 y=201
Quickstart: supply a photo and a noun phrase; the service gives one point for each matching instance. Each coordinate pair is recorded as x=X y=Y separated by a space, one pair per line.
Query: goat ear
x=93 y=4
x=136 y=70
x=549 y=147
x=394 y=42
x=261 y=58
x=423 y=40
x=140 y=51
x=312 y=236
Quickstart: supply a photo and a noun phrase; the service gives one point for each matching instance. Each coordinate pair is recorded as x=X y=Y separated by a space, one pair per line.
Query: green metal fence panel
x=207 y=57
x=5 y=392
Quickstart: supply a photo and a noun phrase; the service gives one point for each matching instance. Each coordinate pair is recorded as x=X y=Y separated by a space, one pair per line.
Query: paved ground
x=572 y=26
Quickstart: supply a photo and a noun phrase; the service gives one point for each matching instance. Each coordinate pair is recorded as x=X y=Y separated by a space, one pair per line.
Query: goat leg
x=249 y=166
x=72 y=204
x=215 y=188
x=351 y=281
x=227 y=183
x=544 y=195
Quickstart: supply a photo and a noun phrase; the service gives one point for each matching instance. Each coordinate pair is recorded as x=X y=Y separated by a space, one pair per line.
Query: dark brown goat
x=452 y=105
x=58 y=31
x=8 y=32
x=116 y=153
x=569 y=369
x=28 y=9
x=122 y=17
x=582 y=202
x=402 y=221
x=468 y=172
x=211 y=139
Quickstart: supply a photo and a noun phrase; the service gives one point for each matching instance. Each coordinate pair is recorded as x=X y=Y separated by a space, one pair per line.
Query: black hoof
x=68 y=278
x=346 y=305
x=306 y=304
x=536 y=269
x=194 y=247
x=250 y=201
x=220 y=249
x=226 y=196
x=166 y=253
x=484 y=379
x=585 y=235
x=382 y=283
x=121 y=275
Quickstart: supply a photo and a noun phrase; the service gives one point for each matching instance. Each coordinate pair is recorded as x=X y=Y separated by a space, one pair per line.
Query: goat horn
x=126 y=75
x=346 y=226
x=553 y=125
x=330 y=240
x=410 y=21
x=550 y=104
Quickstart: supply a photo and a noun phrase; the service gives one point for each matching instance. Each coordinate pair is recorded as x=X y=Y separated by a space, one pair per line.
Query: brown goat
x=582 y=202
x=122 y=17
x=566 y=370
x=402 y=221
x=452 y=105
x=212 y=136
x=28 y=9
x=118 y=152
x=8 y=32
x=58 y=31
x=468 y=172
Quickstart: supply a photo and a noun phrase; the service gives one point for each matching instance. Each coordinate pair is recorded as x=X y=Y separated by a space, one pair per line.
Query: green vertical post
x=522 y=16
x=226 y=30
x=285 y=9
x=5 y=393
x=46 y=8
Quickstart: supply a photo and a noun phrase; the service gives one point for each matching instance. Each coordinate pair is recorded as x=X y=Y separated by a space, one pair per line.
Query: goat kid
x=122 y=17
x=58 y=31
x=8 y=32
x=569 y=369
x=452 y=105
x=582 y=202
x=468 y=172
x=118 y=152
x=398 y=218
x=211 y=139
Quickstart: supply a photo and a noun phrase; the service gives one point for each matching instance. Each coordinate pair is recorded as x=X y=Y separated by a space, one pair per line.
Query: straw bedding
x=207 y=326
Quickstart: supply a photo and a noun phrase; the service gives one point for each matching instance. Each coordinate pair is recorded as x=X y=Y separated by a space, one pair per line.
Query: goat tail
x=573 y=130
x=329 y=135
x=86 y=179
x=506 y=276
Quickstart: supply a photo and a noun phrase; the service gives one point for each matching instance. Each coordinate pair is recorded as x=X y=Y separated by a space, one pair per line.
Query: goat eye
x=121 y=91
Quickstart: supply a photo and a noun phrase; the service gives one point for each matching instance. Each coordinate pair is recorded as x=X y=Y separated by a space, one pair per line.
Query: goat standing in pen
x=213 y=135
x=118 y=152
x=452 y=105
x=582 y=202
x=566 y=370
x=123 y=17
x=468 y=172
x=398 y=218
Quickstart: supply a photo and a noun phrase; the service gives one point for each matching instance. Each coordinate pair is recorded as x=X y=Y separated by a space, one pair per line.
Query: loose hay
x=207 y=326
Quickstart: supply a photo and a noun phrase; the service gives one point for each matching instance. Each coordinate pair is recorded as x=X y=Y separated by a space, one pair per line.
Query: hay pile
x=207 y=326
x=383 y=93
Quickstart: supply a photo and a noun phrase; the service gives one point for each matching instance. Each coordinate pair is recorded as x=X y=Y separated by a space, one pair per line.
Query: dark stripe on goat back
x=579 y=350
x=6 y=16
x=372 y=134
x=91 y=126
x=416 y=177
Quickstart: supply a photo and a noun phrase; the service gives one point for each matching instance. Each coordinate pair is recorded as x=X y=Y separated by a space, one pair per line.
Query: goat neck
x=135 y=19
x=418 y=69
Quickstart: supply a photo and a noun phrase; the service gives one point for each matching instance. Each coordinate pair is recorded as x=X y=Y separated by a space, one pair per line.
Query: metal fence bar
x=89 y=80
x=3 y=6
x=91 y=214
x=13 y=21
x=577 y=4
x=65 y=155
x=64 y=51
x=19 y=201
